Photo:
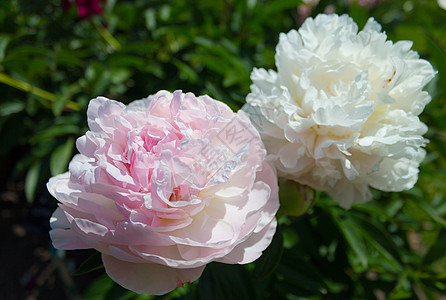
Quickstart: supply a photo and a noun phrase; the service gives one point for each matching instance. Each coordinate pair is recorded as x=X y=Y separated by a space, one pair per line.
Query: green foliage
x=94 y=262
x=52 y=63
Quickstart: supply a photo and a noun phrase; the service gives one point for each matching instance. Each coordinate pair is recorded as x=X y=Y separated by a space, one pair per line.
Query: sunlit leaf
x=31 y=180
x=9 y=108
x=4 y=40
x=61 y=157
x=98 y=289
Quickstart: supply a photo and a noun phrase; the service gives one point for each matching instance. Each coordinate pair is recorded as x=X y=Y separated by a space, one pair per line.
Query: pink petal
x=252 y=248
x=67 y=239
x=153 y=279
x=61 y=235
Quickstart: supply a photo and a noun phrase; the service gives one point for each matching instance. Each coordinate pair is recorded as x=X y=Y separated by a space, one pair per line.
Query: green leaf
x=290 y=238
x=92 y=263
x=99 y=288
x=431 y=212
x=118 y=292
x=59 y=103
x=401 y=294
x=373 y=208
x=150 y=18
x=119 y=75
x=212 y=62
x=56 y=130
x=351 y=234
x=120 y=60
x=31 y=180
x=232 y=77
x=145 y=297
x=437 y=250
x=402 y=289
x=186 y=71
x=359 y=14
x=4 y=41
x=223 y=281
x=379 y=237
x=438 y=285
x=214 y=91
x=61 y=98
x=10 y=108
x=27 y=51
x=64 y=57
x=61 y=157
x=297 y=270
x=270 y=258
x=278 y=6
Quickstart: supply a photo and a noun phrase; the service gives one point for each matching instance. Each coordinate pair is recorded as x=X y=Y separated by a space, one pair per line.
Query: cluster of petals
x=164 y=186
x=340 y=114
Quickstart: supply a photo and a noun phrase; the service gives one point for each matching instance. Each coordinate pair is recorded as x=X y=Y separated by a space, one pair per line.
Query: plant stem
x=24 y=86
x=108 y=37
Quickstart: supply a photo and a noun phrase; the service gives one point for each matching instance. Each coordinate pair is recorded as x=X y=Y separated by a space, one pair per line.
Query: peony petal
x=67 y=239
x=252 y=248
x=58 y=220
x=61 y=235
x=153 y=279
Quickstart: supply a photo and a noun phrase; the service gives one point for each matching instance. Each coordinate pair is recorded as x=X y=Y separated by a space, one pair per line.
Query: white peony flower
x=341 y=112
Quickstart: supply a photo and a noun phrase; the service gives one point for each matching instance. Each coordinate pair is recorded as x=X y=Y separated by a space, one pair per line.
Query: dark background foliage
x=52 y=62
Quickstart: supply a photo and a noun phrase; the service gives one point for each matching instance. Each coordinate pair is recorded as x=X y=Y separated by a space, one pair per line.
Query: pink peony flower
x=164 y=186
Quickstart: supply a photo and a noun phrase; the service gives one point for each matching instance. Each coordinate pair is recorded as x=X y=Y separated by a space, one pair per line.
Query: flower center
x=325 y=78
x=143 y=148
x=143 y=140
x=180 y=193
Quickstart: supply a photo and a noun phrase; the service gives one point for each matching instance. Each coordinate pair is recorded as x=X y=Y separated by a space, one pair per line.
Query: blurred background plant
x=56 y=55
